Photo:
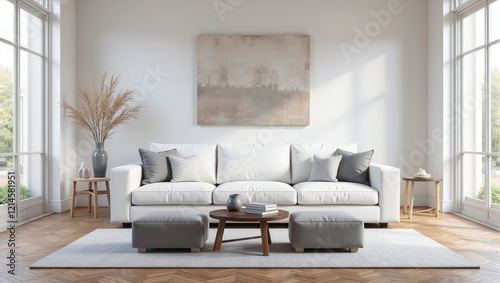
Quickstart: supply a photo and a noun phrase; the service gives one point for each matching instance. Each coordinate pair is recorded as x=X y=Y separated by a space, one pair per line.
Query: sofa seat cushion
x=319 y=193
x=173 y=193
x=258 y=191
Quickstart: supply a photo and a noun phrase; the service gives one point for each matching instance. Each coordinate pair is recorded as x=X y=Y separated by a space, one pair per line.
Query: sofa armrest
x=123 y=180
x=386 y=179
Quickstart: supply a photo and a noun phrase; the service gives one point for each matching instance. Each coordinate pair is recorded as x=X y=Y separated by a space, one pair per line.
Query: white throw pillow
x=325 y=168
x=184 y=169
x=253 y=162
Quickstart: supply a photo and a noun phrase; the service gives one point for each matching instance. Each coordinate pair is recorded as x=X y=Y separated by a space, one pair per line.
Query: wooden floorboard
x=40 y=238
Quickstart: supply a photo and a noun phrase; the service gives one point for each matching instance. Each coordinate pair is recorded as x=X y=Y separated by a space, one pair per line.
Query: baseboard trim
x=60 y=206
x=448 y=206
x=476 y=220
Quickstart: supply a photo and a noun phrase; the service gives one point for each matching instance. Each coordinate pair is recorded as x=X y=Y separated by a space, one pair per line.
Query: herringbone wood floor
x=44 y=236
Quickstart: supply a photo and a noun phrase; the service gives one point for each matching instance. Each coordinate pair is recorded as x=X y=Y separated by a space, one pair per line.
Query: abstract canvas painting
x=253 y=80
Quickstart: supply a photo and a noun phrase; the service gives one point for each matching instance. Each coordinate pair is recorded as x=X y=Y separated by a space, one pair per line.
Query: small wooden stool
x=406 y=206
x=91 y=192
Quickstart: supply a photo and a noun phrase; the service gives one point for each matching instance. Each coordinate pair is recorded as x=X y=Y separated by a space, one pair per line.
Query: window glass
x=30 y=103
x=43 y=3
x=473 y=30
x=473 y=176
x=494 y=21
x=473 y=104
x=495 y=97
x=31 y=31
x=7 y=21
x=30 y=177
x=460 y=2
x=6 y=171
x=6 y=98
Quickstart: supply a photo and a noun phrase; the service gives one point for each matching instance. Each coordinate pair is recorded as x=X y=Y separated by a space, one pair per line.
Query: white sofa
x=275 y=173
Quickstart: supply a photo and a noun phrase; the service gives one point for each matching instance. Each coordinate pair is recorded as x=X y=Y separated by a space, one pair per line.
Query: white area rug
x=384 y=248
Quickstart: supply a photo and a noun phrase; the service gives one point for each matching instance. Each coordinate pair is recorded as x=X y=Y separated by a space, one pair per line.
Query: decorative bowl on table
x=425 y=176
x=421 y=174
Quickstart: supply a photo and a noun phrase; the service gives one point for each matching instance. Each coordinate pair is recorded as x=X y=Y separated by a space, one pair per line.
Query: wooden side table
x=411 y=181
x=91 y=192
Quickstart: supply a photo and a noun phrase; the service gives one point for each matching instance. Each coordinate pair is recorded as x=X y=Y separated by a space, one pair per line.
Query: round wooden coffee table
x=224 y=215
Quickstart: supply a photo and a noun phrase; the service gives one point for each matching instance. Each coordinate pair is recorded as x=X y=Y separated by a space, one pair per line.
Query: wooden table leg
x=73 y=195
x=265 y=239
x=107 y=192
x=96 y=194
x=412 y=197
x=89 y=197
x=220 y=233
x=405 y=203
x=268 y=235
x=437 y=198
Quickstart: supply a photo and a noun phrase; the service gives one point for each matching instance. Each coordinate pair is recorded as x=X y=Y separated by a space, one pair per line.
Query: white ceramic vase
x=83 y=172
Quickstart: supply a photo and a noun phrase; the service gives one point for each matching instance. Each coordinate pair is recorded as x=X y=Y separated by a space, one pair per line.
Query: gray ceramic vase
x=234 y=203
x=99 y=160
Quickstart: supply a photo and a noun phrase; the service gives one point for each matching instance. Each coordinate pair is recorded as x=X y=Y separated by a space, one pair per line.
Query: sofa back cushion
x=302 y=155
x=206 y=157
x=253 y=162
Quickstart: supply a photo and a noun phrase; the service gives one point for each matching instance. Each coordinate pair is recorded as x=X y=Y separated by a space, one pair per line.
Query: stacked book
x=261 y=208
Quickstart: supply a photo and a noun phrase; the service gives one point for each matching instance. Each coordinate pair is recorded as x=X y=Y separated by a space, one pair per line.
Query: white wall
x=439 y=144
x=376 y=97
x=62 y=140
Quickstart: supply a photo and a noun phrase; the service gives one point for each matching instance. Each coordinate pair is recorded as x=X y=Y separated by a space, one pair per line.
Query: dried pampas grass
x=100 y=110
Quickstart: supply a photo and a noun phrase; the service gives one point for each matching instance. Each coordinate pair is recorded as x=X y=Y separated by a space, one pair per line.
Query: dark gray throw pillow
x=156 y=166
x=354 y=166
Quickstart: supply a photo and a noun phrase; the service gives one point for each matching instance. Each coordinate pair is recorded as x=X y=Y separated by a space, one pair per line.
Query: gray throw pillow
x=155 y=166
x=354 y=166
x=184 y=169
x=324 y=168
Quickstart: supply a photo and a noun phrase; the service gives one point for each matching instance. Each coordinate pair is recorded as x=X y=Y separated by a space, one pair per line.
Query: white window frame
x=34 y=206
x=484 y=212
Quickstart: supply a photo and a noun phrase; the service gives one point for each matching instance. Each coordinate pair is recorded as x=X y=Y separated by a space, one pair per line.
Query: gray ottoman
x=170 y=230
x=325 y=230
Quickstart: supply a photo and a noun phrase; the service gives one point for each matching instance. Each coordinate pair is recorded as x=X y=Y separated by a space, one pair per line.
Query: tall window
x=23 y=60
x=478 y=63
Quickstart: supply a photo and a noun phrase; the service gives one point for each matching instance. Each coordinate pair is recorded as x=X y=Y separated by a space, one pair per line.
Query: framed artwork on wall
x=254 y=80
